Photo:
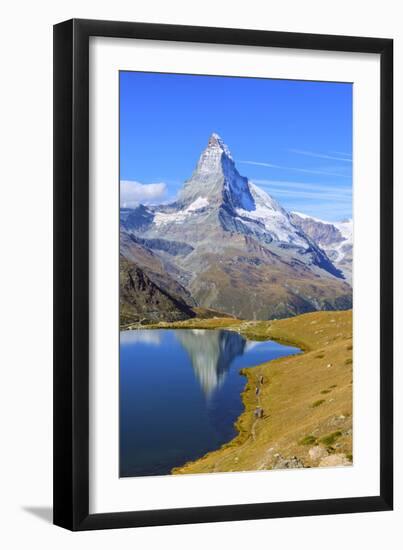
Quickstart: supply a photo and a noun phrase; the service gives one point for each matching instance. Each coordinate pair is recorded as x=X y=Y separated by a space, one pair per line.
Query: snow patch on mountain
x=345 y=226
x=275 y=219
x=344 y=247
x=346 y=229
x=179 y=216
x=200 y=202
x=335 y=238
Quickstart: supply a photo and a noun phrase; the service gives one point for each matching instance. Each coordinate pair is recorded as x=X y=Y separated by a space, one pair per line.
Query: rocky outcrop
x=282 y=463
x=335 y=460
x=142 y=301
x=157 y=266
x=173 y=248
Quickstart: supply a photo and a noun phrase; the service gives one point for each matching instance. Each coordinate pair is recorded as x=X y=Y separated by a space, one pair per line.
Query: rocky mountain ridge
x=142 y=301
x=335 y=238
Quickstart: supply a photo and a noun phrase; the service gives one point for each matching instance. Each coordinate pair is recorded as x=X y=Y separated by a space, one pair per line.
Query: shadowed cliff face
x=141 y=300
x=211 y=355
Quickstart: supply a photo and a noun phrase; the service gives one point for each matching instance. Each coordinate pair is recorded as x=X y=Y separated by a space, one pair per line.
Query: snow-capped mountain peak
x=214 y=155
x=217 y=187
x=215 y=141
x=216 y=178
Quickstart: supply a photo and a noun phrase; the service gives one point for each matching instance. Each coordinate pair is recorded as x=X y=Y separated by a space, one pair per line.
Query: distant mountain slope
x=335 y=238
x=155 y=267
x=234 y=248
x=143 y=301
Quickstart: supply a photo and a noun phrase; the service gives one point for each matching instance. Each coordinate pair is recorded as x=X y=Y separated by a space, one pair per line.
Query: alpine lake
x=180 y=393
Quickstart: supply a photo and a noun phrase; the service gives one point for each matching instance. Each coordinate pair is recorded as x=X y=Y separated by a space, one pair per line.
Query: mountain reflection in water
x=211 y=353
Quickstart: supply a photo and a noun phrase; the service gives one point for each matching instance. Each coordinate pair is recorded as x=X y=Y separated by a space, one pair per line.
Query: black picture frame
x=71 y=274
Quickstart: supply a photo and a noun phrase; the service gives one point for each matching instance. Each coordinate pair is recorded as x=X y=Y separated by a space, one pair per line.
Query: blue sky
x=292 y=138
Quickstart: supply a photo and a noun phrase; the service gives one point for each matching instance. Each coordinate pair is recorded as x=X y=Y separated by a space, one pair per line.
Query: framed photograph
x=222 y=274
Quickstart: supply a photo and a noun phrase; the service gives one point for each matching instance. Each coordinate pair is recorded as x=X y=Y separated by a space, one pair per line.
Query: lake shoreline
x=244 y=328
x=320 y=443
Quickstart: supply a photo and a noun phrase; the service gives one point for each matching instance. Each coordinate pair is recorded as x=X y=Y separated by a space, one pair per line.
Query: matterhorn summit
x=216 y=146
x=216 y=178
x=243 y=207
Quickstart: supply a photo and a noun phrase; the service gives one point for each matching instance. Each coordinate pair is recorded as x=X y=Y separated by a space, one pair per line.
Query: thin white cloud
x=328 y=212
x=320 y=196
x=302 y=170
x=302 y=186
x=327 y=202
x=319 y=155
x=133 y=192
x=341 y=154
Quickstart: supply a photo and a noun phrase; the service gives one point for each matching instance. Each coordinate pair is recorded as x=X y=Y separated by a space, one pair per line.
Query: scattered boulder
x=258 y=412
x=317 y=453
x=282 y=463
x=335 y=460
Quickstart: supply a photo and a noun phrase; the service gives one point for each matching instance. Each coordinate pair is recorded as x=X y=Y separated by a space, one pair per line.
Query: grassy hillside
x=306 y=399
x=265 y=287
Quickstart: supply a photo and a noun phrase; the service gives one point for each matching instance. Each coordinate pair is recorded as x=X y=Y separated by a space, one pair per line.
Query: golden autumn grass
x=306 y=398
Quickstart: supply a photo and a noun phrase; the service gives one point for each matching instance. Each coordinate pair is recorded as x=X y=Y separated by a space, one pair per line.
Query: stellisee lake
x=180 y=394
